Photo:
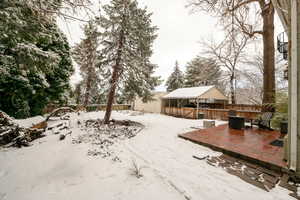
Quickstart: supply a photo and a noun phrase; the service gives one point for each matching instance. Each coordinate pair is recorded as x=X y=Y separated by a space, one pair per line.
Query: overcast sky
x=178 y=35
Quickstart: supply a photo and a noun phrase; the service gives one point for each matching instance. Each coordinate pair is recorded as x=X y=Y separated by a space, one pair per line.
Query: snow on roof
x=188 y=93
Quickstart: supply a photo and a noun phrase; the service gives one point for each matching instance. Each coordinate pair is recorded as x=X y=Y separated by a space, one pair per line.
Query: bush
x=281 y=106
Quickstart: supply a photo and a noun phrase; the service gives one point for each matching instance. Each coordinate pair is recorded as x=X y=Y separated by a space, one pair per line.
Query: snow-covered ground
x=60 y=170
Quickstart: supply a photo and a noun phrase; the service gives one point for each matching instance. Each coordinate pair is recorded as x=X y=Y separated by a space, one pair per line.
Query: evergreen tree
x=97 y=93
x=202 y=71
x=127 y=46
x=77 y=93
x=35 y=63
x=85 y=55
x=176 y=79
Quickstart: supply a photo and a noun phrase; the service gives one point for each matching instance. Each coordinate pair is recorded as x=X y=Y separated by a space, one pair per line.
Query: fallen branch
x=11 y=134
x=60 y=112
x=201 y=158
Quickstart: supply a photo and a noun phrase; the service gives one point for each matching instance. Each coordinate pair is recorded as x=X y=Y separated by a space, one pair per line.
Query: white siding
x=151 y=106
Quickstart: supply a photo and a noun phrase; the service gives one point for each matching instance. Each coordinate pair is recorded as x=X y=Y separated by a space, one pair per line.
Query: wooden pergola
x=203 y=95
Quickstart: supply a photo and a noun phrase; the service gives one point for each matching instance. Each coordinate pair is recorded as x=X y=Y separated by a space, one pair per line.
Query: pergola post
x=197 y=101
x=294 y=82
x=169 y=107
x=289 y=14
x=177 y=107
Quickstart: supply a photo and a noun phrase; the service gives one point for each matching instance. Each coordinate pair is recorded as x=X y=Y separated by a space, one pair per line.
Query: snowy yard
x=61 y=170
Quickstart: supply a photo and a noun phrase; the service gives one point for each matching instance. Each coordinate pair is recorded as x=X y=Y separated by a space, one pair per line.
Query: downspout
x=293 y=95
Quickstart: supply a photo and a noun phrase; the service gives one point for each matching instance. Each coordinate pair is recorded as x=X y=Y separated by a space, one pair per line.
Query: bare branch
x=49 y=9
x=232 y=14
x=246 y=28
x=242 y=3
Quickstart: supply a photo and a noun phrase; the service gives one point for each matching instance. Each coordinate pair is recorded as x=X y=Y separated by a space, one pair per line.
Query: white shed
x=153 y=106
x=202 y=92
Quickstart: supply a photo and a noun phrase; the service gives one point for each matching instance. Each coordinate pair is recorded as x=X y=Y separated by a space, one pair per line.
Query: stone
x=208 y=123
x=62 y=137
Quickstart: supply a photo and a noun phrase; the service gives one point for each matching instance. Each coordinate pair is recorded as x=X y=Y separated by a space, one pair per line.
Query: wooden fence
x=89 y=108
x=97 y=107
x=245 y=107
x=221 y=114
x=231 y=106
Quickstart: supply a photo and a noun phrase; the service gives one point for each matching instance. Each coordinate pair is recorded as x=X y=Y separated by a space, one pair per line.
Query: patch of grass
x=136 y=169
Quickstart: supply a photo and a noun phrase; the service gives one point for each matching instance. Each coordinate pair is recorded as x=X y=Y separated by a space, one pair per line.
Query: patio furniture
x=236 y=122
x=264 y=121
x=200 y=115
x=231 y=113
x=284 y=127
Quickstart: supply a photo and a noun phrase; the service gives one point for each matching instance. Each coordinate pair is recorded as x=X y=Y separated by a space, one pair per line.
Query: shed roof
x=191 y=93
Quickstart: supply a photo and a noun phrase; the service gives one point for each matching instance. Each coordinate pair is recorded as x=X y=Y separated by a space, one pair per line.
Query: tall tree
x=127 y=46
x=202 y=71
x=176 y=79
x=228 y=54
x=242 y=12
x=35 y=61
x=85 y=54
x=77 y=93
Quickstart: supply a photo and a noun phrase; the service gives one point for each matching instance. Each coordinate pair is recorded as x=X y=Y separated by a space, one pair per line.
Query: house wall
x=213 y=93
x=298 y=88
x=293 y=147
x=154 y=106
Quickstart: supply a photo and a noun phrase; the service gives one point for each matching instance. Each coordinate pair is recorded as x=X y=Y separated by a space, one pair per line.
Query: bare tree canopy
x=251 y=17
x=229 y=54
x=49 y=9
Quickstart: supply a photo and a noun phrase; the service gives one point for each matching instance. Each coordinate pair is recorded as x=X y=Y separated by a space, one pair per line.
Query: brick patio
x=251 y=144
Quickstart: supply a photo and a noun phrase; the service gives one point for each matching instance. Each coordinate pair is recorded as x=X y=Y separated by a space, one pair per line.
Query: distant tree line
x=200 y=71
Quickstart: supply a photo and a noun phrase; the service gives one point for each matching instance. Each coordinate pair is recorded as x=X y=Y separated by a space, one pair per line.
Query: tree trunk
x=91 y=65
x=232 y=93
x=111 y=94
x=114 y=79
x=268 y=55
x=88 y=88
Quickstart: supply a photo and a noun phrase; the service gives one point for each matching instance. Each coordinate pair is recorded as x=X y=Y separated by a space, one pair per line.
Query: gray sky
x=178 y=35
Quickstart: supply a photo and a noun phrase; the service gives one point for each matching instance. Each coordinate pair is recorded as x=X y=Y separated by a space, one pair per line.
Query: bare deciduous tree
x=251 y=90
x=228 y=53
x=253 y=80
x=246 y=18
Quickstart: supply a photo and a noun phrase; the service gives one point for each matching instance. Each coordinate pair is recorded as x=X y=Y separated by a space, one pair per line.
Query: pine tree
x=77 y=93
x=85 y=54
x=35 y=61
x=176 y=79
x=127 y=46
x=202 y=71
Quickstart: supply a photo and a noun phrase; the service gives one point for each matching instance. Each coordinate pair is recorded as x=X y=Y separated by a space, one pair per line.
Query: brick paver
x=250 y=143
